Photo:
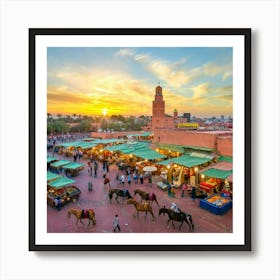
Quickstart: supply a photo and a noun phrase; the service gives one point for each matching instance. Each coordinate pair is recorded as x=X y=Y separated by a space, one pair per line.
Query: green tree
x=85 y=126
x=61 y=126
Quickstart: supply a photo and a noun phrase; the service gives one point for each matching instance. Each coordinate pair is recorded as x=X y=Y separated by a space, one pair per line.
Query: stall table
x=216 y=204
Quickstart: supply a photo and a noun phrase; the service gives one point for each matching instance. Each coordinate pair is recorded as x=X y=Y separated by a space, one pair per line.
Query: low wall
x=185 y=138
x=224 y=146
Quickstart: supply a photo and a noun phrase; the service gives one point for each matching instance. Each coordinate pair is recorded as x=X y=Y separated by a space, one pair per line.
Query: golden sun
x=104 y=112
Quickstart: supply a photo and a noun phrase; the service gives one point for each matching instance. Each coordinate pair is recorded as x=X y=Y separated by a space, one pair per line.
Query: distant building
x=166 y=131
x=187 y=116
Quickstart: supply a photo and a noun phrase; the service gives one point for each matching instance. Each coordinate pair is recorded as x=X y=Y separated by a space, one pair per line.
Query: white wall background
x=17 y=262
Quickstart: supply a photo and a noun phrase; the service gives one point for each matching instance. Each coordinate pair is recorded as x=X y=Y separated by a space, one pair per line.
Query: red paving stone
x=58 y=221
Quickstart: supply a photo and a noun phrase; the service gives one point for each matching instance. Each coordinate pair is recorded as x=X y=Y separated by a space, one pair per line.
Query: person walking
x=89 y=186
x=116 y=224
x=129 y=179
x=135 y=177
x=193 y=193
x=184 y=187
x=122 y=180
x=75 y=155
x=90 y=168
x=141 y=178
x=95 y=168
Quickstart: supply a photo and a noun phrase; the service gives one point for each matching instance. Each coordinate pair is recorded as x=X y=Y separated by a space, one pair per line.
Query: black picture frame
x=34 y=166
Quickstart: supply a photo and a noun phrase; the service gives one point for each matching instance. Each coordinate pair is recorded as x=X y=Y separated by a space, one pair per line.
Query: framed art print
x=140 y=139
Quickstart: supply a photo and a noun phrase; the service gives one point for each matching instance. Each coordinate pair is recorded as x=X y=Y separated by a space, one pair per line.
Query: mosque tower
x=158 y=117
x=160 y=121
x=158 y=104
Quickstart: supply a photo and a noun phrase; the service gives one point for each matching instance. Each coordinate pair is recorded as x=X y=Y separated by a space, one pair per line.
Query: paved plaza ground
x=58 y=221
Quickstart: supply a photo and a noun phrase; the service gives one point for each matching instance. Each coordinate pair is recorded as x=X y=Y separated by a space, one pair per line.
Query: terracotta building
x=166 y=131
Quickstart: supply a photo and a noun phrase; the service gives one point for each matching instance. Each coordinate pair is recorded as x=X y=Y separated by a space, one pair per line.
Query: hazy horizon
x=122 y=81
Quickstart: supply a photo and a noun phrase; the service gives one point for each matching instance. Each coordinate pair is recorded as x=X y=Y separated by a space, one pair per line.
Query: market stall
x=73 y=168
x=52 y=176
x=50 y=160
x=62 y=189
x=57 y=166
x=216 y=204
x=214 y=179
x=184 y=168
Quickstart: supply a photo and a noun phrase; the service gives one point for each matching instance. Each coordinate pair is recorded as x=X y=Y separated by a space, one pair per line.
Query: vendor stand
x=50 y=160
x=58 y=165
x=64 y=189
x=216 y=204
x=73 y=168
x=184 y=169
x=214 y=179
x=52 y=176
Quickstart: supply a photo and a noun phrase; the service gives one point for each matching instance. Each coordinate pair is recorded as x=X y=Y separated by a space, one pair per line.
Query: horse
x=143 y=207
x=146 y=196
x=83 y=214
x=179 y=217
x=119 y=192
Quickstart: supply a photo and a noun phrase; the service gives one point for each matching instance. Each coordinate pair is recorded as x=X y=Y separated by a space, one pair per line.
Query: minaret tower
x=158 y=104
x=158 y=118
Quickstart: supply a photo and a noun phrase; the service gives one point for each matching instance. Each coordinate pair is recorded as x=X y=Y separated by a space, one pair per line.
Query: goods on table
x=216 y=204
x=66 y=194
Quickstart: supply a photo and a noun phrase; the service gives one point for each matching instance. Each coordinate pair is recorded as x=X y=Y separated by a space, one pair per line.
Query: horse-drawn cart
x=62 y=189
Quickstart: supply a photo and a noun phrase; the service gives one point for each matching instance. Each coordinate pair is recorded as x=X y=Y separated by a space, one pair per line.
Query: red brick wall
x=224 y=146
x=186 y=138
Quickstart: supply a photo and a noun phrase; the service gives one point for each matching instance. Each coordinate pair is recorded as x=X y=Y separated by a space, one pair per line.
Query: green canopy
x=61 y=182
x=51 y=176
x=127 y=147
x=108 y=141
x=200 y=148
x=89 y=139
x=73 y=165
x=186 y=160
x=173 y=148
x=147 y=154
x=51 y=159
x=224 y=158
x=144 y=134
x=217 y=173
x=60 y=163
x=80 y=144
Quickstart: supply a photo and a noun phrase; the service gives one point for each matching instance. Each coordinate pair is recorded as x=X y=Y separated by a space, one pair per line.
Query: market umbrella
x=149 y=168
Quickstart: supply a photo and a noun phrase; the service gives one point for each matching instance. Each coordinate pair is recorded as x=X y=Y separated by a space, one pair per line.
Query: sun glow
x=104 y=112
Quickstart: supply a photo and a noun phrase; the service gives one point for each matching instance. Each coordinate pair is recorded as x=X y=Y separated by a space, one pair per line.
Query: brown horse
x=146 y=196
x=119 y=192
x=179 y=217
x=142 y=207
x=83 y=214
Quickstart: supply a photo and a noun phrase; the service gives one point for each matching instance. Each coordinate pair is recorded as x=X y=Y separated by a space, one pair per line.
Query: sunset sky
x=90 y=81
